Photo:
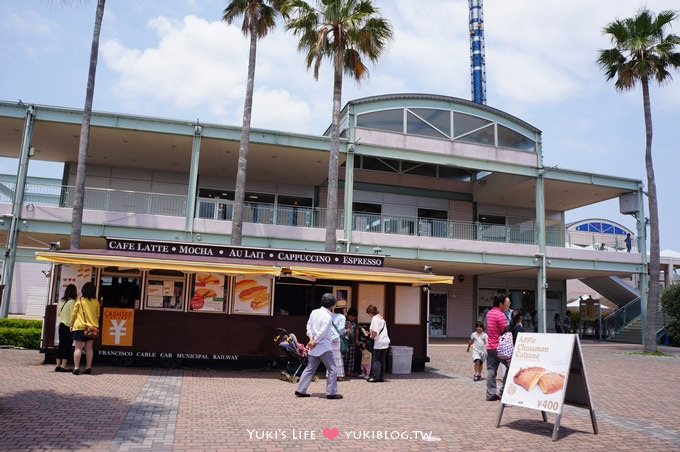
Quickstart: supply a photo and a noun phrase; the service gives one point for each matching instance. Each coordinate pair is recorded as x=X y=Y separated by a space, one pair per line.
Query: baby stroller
x=296 y=354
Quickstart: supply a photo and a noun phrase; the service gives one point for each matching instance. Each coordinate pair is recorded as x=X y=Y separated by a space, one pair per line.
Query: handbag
x=505 y=346
x=344 y=342
x=90 y=331
x=370 y=341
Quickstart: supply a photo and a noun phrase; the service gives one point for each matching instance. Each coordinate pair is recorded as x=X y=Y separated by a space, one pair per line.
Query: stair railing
x=618 y=320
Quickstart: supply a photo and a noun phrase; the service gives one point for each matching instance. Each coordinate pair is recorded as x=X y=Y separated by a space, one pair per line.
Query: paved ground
x=145 y=408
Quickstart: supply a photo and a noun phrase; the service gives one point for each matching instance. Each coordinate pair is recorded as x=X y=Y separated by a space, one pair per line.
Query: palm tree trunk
x=654 y=257
x=240 y=193
x=332 y=199
x=79 y=193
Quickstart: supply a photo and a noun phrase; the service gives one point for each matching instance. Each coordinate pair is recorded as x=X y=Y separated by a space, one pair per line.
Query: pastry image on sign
x=253 y=293
x=245 y=284
x=551 y=382
x=205 y=293
x=528 y=377
x=260 y=301
x=208 y=279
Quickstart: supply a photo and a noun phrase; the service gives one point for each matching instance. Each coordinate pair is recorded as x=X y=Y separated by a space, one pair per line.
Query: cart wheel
x=122 y=361
x=294 y=379
x=315 y=378
x=170 y=363
x=283 y=376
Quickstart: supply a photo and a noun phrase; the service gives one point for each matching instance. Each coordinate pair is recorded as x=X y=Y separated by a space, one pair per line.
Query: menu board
x=208 y=293
x=165 y=294
x=77 y=275
x=154 y=294
x=252 y=295
x=547 y=371
x=538 y=371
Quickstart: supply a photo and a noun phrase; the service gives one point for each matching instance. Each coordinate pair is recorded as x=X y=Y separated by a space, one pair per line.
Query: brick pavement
x=146 y=408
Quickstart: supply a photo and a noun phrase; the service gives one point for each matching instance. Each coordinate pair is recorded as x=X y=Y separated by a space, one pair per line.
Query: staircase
x=630 y=334
x=613 y=288
x=631 y=331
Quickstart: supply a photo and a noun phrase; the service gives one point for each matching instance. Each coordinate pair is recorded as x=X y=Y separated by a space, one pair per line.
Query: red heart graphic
x=330 y=433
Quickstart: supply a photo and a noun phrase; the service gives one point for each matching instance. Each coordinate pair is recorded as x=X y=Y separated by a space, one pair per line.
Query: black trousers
x=378 y=364
x=65 y=342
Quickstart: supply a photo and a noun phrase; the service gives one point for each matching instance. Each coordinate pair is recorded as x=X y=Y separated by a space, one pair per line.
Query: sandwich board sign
x=547 y=371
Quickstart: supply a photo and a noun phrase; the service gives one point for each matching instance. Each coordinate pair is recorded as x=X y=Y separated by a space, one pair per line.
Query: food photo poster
x=252 y=295
x=538 y=371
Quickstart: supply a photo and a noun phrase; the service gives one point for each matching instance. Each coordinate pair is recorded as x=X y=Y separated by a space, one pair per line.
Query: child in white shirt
x=478 y=340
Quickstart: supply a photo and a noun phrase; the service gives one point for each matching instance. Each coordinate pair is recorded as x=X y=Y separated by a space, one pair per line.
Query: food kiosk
x=176 y=301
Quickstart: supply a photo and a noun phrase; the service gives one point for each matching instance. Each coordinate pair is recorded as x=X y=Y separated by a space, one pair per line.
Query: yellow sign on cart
x=117 y=327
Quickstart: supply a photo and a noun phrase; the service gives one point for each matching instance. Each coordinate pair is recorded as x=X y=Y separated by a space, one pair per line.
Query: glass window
x=294 y=211
x=441 y=119
x=165 y=290
x=463 y=123
x=492 y=228
x=432 y=213
x=294 y=201
x=366 y=216
x=508 y=138
x=419 y=169
x=214 y=193
x=433 y=223
x=449 y=172
x=491 y=219
x=483 y=136
x=259 y=197
x=389 y=120
x=417 y=126
x=380 y=164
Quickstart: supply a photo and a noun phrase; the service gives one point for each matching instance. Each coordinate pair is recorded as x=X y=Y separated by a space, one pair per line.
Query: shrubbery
x=670 y=301
x=20 y=332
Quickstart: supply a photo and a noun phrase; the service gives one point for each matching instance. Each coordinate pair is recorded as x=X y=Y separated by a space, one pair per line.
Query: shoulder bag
x=90 y=331
x=505 y=346
x=344 y=342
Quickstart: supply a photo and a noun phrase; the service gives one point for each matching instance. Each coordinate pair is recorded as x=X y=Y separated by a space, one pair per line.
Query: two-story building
x=426 y=182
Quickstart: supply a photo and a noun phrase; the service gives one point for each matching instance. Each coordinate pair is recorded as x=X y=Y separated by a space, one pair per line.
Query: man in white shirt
x=319 y=349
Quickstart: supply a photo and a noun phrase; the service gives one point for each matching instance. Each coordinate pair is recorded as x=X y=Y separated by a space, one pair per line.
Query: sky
x=177 y=59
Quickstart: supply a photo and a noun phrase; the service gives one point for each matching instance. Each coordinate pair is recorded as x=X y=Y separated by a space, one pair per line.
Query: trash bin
x=401 y=359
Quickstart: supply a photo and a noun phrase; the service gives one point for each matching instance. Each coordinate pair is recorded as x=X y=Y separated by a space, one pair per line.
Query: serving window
x=164 y=290
x=208 y=293
x=120 y=288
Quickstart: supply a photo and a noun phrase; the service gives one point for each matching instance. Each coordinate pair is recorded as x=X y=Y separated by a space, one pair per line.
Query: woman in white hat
x=338 y=330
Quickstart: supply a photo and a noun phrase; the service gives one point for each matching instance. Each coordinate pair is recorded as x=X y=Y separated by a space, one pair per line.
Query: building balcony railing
x=100 y=199
x=310 y=217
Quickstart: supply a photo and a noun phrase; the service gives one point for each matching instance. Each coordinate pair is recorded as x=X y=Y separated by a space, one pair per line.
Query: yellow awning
x=171 y=262
x=416 y=279
x=166 y=263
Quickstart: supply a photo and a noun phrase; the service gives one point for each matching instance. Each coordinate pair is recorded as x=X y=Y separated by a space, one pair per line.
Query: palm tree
x=259 y=18
x=79 y=192
x=344 y=31
x=642 y=53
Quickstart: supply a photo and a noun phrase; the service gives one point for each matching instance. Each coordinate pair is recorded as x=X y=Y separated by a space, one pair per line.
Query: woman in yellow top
x=64 y=312
x=85 y=312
